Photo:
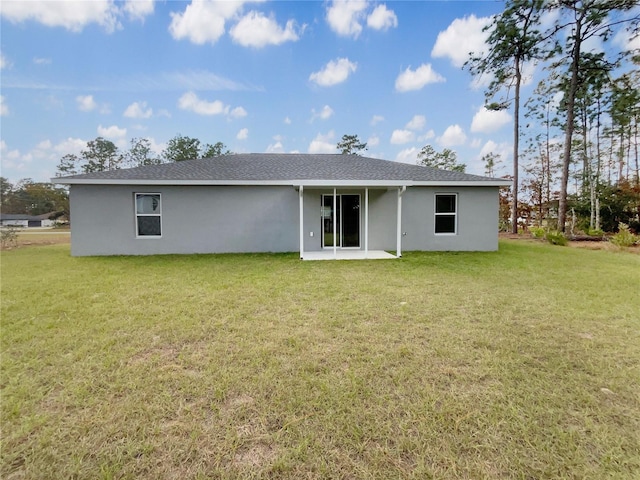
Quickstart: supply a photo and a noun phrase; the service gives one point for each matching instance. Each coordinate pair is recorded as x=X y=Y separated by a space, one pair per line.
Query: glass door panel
x=350 y=220
x=328 y=219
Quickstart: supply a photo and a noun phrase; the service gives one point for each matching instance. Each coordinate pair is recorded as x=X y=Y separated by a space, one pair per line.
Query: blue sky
x=286 y=76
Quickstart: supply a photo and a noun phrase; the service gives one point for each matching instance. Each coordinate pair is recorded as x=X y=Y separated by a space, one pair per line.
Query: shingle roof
x=20 y=216
x=278 y=168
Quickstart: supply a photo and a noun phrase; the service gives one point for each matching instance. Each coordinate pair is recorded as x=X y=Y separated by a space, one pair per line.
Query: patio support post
x=301 y=200
x=335 y=222
x=366 y=221
x=401 y=191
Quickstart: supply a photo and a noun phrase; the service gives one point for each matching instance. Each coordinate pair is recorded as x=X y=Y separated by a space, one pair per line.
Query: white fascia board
x=85 y=181
x=473 y=183
x=295 y=183
x=350 y=183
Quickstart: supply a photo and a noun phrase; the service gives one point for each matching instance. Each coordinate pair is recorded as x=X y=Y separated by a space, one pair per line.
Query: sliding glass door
x=346 y=218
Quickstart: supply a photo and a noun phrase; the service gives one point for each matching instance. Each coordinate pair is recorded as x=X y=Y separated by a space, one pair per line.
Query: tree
x=351 y=145
x=34 y=198
x=140 y=153
x=6 y=189
x=68 y=165
x=100 y=155
x=445 y=160
x=585 y=20
x=625 y=115
x=513 y=41
x=490 y=160
x=215 y=150
x=181 y=148
x=46 y=198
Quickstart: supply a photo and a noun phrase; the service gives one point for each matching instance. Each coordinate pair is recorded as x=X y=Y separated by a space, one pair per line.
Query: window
x=148 y=215
x=446 y=212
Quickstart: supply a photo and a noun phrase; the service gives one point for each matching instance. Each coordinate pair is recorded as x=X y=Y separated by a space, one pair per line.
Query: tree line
x=581 y=127
x=101 y=154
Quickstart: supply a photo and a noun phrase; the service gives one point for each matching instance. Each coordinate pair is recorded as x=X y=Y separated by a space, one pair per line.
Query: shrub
x=556 y=238
x=593 y=232
x=537 y=232
x=8 y=237
x=624 y=237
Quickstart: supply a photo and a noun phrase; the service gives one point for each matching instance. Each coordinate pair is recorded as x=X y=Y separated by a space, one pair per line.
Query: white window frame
x=137 y=215
x=437 y=214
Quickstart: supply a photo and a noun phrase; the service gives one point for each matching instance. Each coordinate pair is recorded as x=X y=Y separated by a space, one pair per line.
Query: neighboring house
x=281 y=203
x=23 y=220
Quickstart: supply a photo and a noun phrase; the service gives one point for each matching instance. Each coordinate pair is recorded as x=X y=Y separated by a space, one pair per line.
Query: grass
x=27 y=238
x=516 y=364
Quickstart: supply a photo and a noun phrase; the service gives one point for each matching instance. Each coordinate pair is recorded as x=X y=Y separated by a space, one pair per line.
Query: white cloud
x=428 y=135
x=203 y=21
x=4 y=108
x=112 y=132
x=398 y=137
x=418 y=122
x=408 y=155
x=323 y=144
x=70 y=145
x=625 y=41
x=452 y=136
x=462 y=37
x=483 y=80
x=43 y=157
x=418 y=78
x=256 y=30
x=287 y=121
x=7 y=154
x=238 y=112
x=138 y=110
x=155 y=147
x=138 y=9
x=502 y=150
x=41 y=61
x=243 y=134
x=323 y=114
x=73 y=16
x=86 y=103
x=373 y=141
x=4 y=62
x=190 y=102
x=334 y=72
x=345 y=16
x=382 y=19
x=489 y=121
x=376 y=119
x=275 y=148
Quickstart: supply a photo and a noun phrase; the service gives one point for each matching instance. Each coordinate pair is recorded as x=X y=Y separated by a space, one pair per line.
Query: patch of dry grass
x=26 y=238
x=516 y=364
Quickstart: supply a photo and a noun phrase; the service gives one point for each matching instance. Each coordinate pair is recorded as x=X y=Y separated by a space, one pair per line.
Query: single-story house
x=26 y=221
x=322 y=205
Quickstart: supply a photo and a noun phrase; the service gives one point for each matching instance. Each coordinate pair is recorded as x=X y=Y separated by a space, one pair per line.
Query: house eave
x=294 y=183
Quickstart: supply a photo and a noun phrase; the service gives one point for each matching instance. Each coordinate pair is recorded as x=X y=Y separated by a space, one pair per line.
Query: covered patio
x=335 y=249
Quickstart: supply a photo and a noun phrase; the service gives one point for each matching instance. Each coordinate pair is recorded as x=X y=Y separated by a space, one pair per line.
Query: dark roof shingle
x=278 y=167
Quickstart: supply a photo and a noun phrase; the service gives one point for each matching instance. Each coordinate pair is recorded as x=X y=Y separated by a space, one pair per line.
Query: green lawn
x=523 y=363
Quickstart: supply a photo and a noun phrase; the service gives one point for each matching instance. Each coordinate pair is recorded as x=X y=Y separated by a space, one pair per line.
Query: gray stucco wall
x=477 y=228
x=195 y=219
x=202 y=219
